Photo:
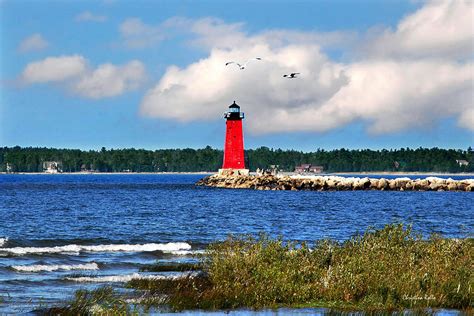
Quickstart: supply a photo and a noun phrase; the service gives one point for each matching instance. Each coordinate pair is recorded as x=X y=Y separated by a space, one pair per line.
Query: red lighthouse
x=234 y=161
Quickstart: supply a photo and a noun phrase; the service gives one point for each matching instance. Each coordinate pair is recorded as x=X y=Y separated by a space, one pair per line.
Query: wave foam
x=3 y=241
x=185 y=252
x=125 y=278
x=172 y=246
x=56 y=267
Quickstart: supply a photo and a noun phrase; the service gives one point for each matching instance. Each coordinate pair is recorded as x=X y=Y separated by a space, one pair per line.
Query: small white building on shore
x=52 y=167
x=308 y=168
x=462 y=162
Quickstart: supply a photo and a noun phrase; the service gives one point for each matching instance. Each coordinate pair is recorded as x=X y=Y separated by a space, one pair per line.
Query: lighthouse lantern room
x=234 y=160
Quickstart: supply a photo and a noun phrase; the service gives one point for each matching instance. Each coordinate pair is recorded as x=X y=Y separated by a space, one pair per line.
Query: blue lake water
x=60 y=233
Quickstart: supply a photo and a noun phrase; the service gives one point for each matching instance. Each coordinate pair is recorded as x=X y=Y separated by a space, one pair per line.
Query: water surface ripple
x=137 y=210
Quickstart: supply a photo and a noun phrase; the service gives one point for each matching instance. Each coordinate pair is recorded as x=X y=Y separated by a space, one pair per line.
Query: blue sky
x=151 y=74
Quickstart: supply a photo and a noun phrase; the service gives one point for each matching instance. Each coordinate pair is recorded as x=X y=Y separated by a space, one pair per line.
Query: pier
x=334 y=183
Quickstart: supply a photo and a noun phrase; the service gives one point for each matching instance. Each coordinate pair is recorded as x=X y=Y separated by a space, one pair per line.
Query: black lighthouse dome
x=234 y=112
x=234 y=107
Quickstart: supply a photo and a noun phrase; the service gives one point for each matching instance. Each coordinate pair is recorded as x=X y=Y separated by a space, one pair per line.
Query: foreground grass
x=102 y=301
x=388 y=269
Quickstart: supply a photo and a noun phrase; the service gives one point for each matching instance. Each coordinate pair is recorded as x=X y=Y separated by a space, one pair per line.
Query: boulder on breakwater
x=334 y=183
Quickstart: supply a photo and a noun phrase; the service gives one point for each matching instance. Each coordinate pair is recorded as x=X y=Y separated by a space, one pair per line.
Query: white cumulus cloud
x=408 y=78
x=211 y=32
x=54 y=69
x=439 y=29
x=390 y=96
x=108 y=80
x=137 y=34
x=87 y=16
x=74 y=74
x=466 y=119
x=35 y=42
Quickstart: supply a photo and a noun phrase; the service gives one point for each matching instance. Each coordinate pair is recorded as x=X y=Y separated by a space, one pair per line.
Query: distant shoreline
x=105 y=173
x=285 y=173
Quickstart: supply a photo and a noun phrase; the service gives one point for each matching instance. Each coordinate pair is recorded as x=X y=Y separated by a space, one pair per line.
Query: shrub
x=388 y=268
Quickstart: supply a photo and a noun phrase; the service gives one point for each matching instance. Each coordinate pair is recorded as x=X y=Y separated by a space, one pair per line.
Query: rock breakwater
x=335 y=183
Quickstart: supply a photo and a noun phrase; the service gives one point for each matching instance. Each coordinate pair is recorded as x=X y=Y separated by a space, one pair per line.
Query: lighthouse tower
x=234 y=161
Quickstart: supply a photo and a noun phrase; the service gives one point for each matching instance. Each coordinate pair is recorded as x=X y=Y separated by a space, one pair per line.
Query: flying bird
x=242 y=66
x=292 y=75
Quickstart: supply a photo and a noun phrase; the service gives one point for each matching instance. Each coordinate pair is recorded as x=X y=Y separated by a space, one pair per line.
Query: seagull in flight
x=242 y=66
x=292 y=75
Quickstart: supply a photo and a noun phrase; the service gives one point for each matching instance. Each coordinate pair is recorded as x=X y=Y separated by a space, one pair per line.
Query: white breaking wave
x=3 y=241
x=185 y=252
x=171 y=246
x=126 y=278
x=56 y=267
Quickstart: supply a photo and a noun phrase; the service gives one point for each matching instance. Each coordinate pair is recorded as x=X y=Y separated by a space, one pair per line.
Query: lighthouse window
x=234 y=110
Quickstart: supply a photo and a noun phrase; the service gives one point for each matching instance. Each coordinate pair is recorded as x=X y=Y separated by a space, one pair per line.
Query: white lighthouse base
x=234 y=172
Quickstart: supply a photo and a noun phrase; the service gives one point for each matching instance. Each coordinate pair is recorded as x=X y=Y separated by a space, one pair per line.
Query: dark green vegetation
x=179 y=267
x=388 y=268
x=101 y=301
x=381 y=270
x=208 y=159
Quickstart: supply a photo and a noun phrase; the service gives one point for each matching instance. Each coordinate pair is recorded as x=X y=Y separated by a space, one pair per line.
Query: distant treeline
x=30 y=159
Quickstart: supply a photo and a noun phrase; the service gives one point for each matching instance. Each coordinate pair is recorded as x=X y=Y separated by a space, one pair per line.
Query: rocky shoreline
x=334 y=183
